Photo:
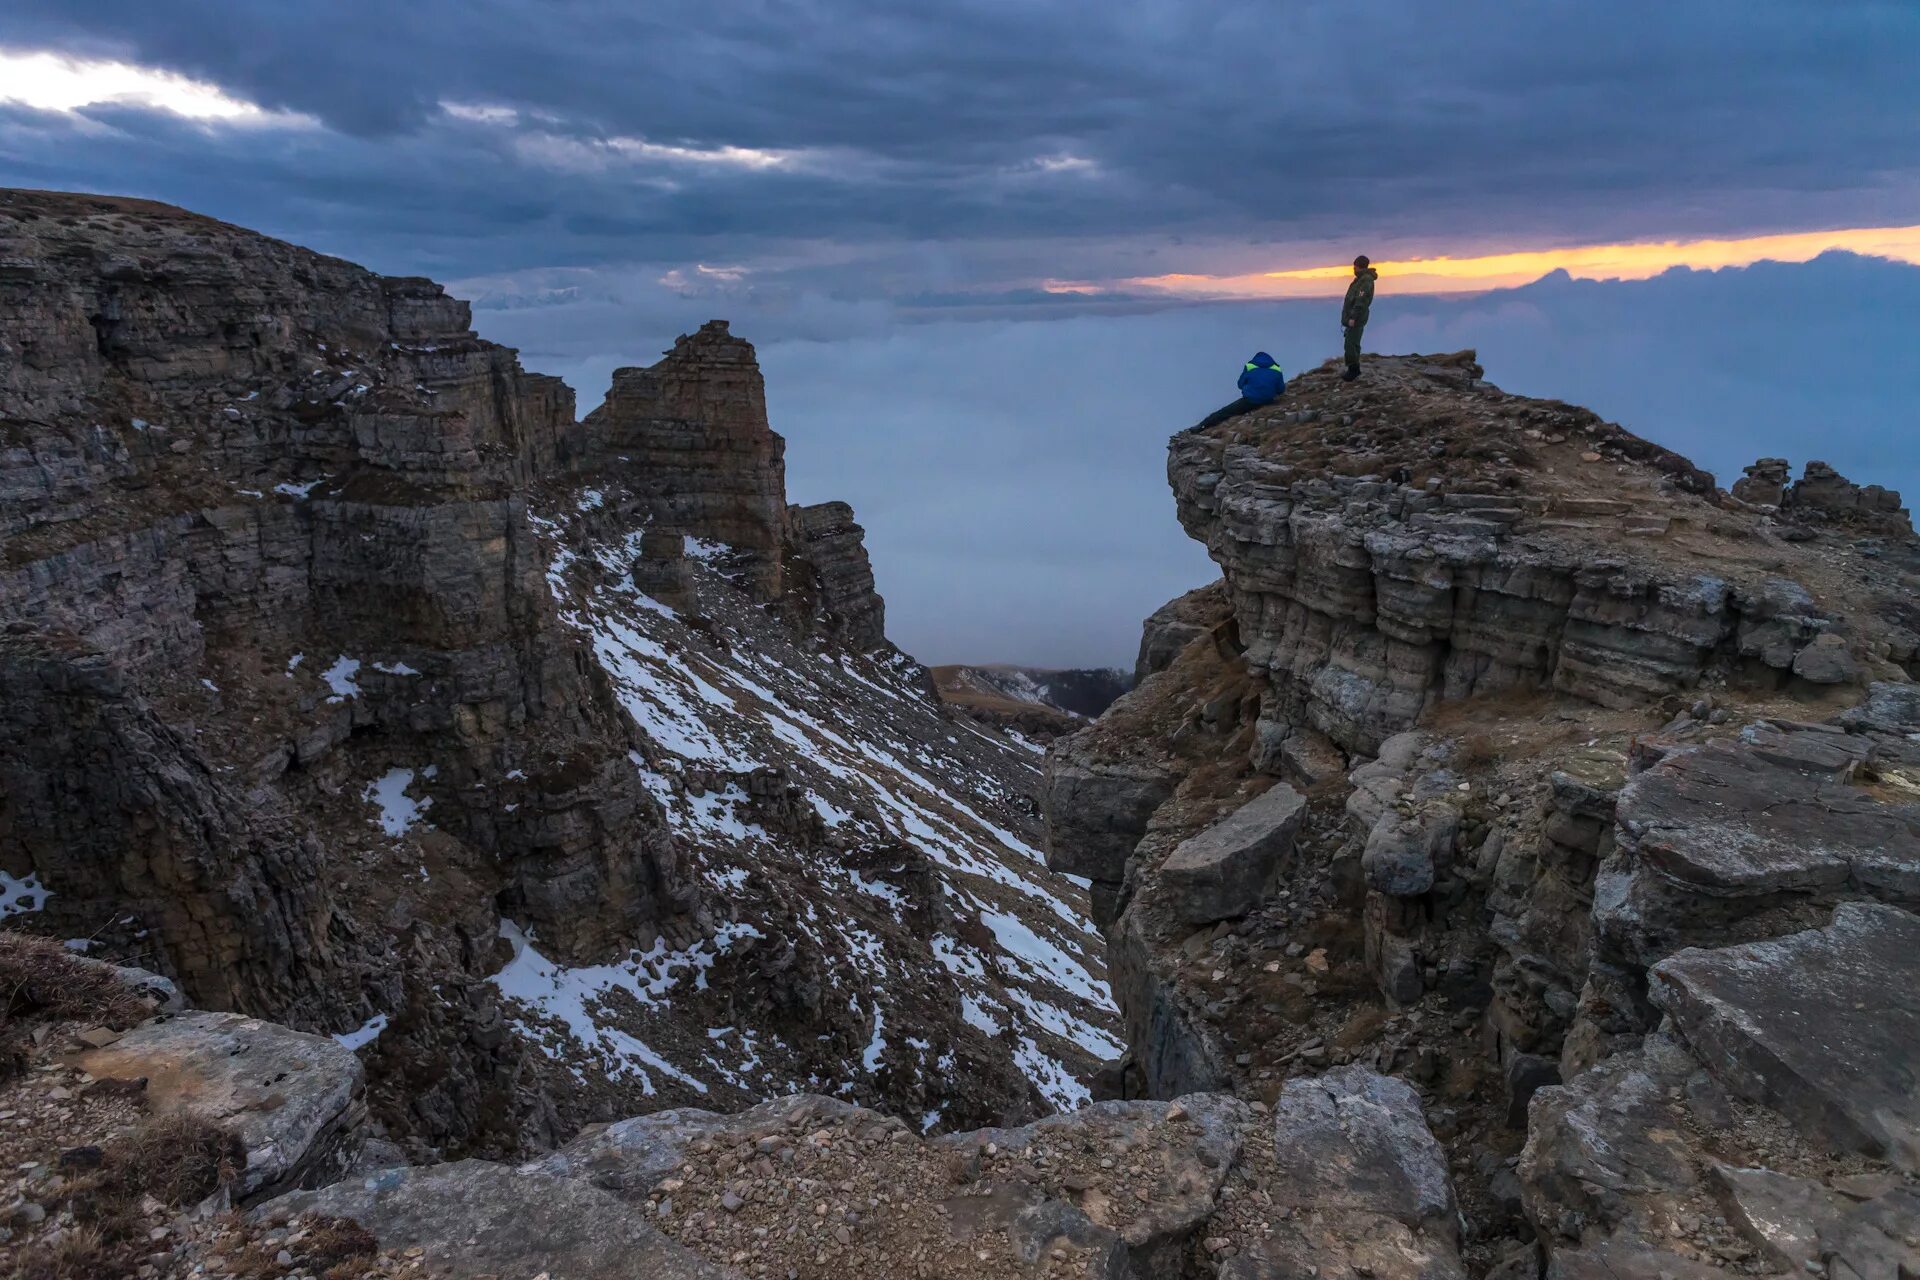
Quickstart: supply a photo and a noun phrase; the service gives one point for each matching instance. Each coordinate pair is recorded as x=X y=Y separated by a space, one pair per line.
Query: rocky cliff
x=1513 y=758
x=559 y=764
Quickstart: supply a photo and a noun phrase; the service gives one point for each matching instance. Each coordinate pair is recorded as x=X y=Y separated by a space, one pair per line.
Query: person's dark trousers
x=1353 y=333
x=1218 y=416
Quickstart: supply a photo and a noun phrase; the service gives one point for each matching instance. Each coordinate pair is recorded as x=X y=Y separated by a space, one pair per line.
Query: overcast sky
x=935 y=221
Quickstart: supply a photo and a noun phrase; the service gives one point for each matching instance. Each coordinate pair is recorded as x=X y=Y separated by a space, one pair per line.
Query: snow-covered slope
x=891 y=932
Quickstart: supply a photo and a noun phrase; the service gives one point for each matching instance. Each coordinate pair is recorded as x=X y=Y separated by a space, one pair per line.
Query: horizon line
x=1627 y=260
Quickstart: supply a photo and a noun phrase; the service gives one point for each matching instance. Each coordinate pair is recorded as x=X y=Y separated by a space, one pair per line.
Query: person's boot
x=1352 y=374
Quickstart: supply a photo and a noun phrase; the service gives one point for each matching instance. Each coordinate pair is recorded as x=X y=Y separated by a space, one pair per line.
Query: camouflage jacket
x=1359 y=298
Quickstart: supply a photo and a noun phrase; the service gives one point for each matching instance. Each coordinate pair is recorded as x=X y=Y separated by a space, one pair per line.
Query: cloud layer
x=866 y=149
x=1011 y=474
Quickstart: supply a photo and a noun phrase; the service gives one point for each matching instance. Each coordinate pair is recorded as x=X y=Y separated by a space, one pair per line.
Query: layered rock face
x=265 y=541
x=1584 y=768
x=694 y=429
x=350 y=680
x=847 y=609
x=1367 y=598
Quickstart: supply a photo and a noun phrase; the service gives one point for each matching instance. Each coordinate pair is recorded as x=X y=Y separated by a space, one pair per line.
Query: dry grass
x=1476 y=751
x=84 y=1253
x=1460 y=715
x=177 y=1160
x=40 y=976
x=333 y=1248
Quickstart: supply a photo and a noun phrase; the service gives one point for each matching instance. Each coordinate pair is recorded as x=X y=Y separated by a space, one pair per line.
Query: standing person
x=1261 y=382
x=1353 y=313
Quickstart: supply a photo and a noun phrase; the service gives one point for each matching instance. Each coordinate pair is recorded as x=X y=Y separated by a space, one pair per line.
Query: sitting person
x=1261 y=382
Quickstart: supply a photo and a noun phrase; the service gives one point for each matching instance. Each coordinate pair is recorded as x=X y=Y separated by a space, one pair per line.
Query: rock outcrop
x=1605 y=839
x=295 y=1101
x=1344 y=1177
x=693 y=429
x=849 y=613
x=1821 y=494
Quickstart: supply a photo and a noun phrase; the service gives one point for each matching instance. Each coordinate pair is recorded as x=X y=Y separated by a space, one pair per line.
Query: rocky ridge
x=1513 y=759
x=560 y=766
x=1037 y=703
x=1341 y=1174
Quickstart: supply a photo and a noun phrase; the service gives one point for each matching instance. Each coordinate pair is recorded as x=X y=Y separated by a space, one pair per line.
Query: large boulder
x=1808 y=1228
x=1822 y=1025
x=1224 y=870
x=1359 y=1186
x=293 y=1099
x=471 y=1219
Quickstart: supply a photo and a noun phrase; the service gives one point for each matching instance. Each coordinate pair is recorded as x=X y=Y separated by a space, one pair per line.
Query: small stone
x=732 y=1203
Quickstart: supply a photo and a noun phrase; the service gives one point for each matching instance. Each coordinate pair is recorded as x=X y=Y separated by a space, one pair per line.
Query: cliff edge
x=1514 y=758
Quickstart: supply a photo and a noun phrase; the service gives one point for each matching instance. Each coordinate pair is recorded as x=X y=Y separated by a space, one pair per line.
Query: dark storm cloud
x=935 y=125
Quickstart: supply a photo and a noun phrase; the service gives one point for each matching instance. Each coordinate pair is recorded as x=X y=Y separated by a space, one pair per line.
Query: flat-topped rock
x=630 y=1156
x=1112 y=1191
x=1196 y=1140
x=471 y=1219
x=1224 y=870
x=1810 y=1229
x=293 y=1099
x=1822 y=1025
x=1712 y=838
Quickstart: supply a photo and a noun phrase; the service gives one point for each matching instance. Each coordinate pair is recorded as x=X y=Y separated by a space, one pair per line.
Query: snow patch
x=18 y=897
x=340 y=678
x=398 y=810
x=366 y=1034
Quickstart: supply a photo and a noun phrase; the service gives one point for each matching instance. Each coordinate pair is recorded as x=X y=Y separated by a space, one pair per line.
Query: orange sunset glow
x=1587 y=262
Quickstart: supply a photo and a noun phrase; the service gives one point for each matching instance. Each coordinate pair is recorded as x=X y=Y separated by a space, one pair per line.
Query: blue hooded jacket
x=1261 y=381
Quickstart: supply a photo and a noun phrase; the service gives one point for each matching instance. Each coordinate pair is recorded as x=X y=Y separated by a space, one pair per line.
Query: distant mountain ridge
x=1038 y=701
